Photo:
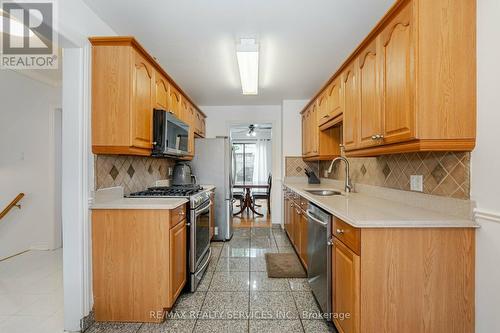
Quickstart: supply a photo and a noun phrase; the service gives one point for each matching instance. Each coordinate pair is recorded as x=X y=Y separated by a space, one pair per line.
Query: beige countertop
x=365 y=211
x=112 y=198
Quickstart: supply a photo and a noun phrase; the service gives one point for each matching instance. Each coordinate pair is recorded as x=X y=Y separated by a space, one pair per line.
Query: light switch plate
x=216 y=231
x=170 y=171
x=417 y=183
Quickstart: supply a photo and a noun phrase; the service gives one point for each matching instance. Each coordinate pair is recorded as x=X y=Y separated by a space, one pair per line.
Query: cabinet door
x=177 y=260
x=350 y=90
x=305 y=135
x=314 y=130
x=296 y=227
x=370 y=110
x=398 y=76
x=161 y=92
x=303 y=239
x=333 y=99
x=175 y=101
x=323 y=108
x=346 y=287
x=142 y=105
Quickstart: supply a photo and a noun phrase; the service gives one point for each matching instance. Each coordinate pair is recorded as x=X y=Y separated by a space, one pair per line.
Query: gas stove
x=194 y=193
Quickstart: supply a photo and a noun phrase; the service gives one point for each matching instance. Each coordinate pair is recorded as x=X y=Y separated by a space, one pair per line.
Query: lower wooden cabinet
x=138 y=262
x=403 y=280
x=345 y=287
x=296 y=225
x=178 y=260
x=303 y=239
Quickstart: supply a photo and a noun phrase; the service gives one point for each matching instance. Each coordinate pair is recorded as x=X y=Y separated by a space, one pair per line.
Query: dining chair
x=264 y=195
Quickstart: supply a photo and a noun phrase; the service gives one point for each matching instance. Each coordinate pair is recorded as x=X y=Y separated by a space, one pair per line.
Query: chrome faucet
x=348 y=184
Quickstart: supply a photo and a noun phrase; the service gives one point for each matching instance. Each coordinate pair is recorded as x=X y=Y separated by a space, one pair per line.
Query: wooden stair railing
x=13 y=203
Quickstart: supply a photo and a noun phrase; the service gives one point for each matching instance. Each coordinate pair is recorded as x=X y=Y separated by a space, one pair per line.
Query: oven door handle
x=206 y=263
x=202 y=210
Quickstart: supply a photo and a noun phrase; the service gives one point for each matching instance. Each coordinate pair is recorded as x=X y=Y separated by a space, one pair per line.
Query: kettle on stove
x=183 y=175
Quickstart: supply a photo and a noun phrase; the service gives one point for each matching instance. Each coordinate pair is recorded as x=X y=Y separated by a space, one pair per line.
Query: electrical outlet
x=417 y=183
x=216 y=231
x=170 y=171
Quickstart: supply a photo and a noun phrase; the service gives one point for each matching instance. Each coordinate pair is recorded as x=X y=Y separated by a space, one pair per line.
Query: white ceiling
x=301 y=42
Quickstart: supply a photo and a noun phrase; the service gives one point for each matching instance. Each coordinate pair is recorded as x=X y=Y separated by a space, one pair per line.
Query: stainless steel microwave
x=170 y=134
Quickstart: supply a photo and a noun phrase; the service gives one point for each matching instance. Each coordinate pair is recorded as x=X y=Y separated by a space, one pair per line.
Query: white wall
x=485 y=168
x=26 y=118
x=221 y=118
x=292 y=128
x=76 y=23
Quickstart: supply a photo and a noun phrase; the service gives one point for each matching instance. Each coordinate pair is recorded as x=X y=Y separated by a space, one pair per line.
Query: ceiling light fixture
x=251 y=131
x=247 y=53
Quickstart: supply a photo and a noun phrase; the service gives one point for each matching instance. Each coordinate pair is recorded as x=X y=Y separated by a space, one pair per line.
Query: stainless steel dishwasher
x=319 y=255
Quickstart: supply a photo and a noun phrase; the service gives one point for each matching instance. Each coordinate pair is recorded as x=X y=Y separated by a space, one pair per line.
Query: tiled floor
x=237 y=296
x=31 y=293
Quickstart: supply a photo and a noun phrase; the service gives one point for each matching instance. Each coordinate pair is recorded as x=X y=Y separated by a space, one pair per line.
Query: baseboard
x=87 y=321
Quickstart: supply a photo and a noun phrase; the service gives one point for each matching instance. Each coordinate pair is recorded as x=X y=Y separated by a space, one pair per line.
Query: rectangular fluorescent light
x=247 y=53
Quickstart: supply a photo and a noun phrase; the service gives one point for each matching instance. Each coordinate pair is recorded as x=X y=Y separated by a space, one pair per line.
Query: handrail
x=13 y=203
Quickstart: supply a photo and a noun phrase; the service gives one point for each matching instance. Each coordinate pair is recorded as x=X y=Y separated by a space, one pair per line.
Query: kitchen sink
x=324 y=193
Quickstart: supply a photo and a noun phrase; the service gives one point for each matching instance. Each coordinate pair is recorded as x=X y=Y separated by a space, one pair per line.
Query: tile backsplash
x=132 y=172
x=295 y=165
x=444 y=173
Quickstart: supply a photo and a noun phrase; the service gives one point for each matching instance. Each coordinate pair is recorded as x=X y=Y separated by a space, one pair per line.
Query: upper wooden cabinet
x=142 y=95
x=398 y=78
x=127 y=84
x=318 y=144
x=162 y=98
x=350 y=105
x=411 y=84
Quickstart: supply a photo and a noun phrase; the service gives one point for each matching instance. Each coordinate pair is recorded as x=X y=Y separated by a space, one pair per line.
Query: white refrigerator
x=212 y=164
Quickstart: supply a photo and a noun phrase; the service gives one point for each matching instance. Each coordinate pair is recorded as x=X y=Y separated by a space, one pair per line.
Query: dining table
x=247 y=200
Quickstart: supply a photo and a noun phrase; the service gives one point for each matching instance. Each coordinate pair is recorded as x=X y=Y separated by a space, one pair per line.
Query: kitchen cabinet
x=346 y=287
x=332 y=115
x=295 y=224
x=410 y=86
x=382 y=282
x=178 y=259
x=398 y=77
x=200 y=124
x=318 y=144
x=350 y=106
x=370 y=105
x=303 y=238
x=401 y=279
x=127 y=84
x=161 y=92
x=138 y=262
x=175 y=102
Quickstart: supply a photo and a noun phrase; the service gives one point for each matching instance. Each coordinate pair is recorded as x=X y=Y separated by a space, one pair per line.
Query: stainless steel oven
x=199 y=243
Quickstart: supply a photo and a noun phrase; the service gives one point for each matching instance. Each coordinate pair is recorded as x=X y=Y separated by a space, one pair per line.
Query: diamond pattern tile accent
x=113 y=172
x=363 y=169
x=438 y=173
x=445 y=174
x=295 y=165
x=386 y=170
x=131 y=171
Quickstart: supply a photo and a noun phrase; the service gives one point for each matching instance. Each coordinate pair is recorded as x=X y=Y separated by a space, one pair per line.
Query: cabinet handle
x=377 y=137
x=340 y=231
x=181 y=213
x=327 y=116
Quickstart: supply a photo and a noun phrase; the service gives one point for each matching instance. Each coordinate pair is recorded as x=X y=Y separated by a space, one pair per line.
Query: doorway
x=252 y=178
